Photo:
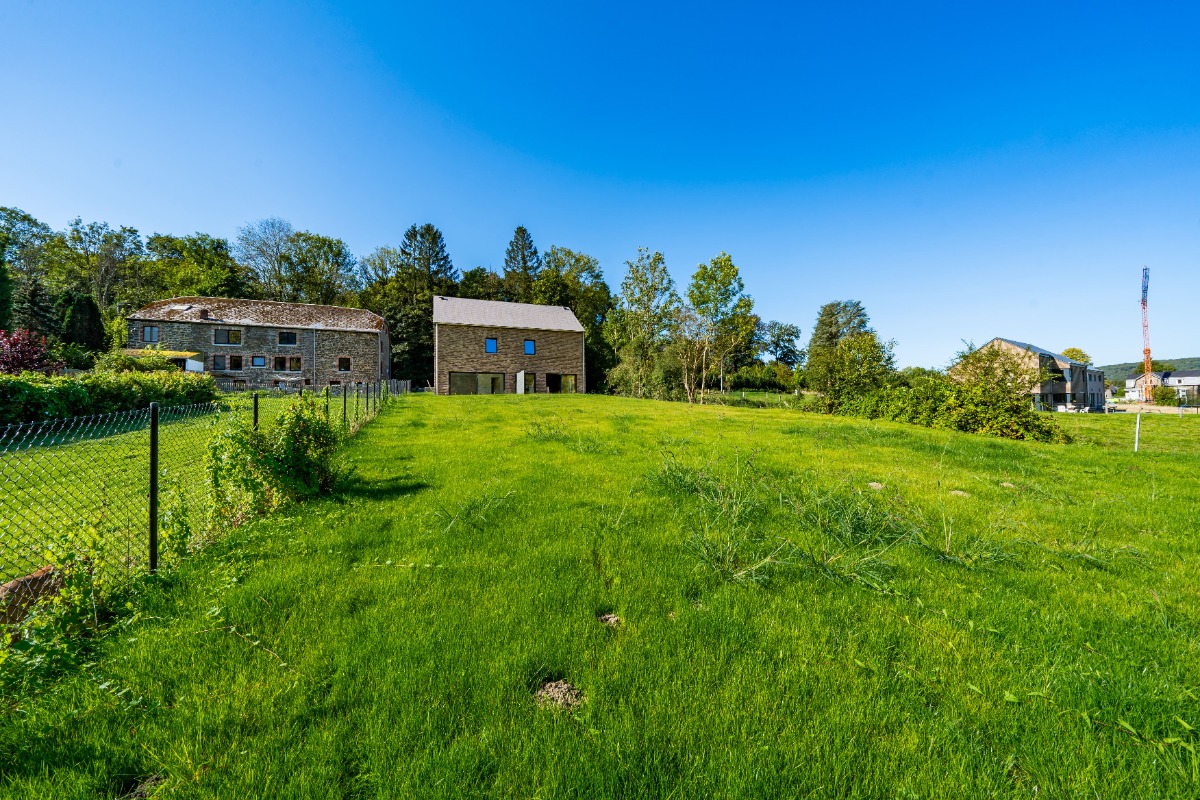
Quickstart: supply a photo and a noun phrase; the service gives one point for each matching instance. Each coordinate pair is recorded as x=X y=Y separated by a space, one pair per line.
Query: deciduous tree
x=642 y=323
x=262 y=247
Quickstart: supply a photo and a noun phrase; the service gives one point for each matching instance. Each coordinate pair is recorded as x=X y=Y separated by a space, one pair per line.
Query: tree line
x=74 y=287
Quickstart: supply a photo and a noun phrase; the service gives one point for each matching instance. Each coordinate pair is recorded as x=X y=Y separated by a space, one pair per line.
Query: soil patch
x=560 y=694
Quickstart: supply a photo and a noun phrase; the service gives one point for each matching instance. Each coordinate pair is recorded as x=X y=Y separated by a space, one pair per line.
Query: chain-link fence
x=98 y=490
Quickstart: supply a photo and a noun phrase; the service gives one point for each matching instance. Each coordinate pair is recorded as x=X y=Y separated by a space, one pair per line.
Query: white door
x=521 y=382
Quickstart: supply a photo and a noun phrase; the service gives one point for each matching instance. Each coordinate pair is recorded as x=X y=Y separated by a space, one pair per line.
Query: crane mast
x=1147 y=393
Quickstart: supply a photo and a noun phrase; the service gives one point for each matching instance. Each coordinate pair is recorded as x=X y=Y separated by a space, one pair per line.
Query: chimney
x=204 y=313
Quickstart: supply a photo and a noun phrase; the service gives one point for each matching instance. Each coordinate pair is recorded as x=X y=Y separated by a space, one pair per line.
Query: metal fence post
x=256 y=411
x=153 y=487
x=344 y=402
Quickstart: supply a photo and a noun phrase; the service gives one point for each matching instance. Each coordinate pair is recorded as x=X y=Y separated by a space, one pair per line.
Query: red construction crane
x=1147 y=391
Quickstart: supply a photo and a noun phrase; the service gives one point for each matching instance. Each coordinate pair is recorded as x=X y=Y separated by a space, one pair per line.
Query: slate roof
x=227 y=311
x=1041 y=351
x=494 y=314
x=1179 y=373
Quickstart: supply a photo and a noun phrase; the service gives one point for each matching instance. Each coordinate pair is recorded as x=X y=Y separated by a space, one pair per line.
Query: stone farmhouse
x=250 y=344
x=1185 y=382
x=1070 y=383
x=489 y=347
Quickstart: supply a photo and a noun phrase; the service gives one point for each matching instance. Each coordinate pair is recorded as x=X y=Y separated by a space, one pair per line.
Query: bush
x=254 y=471
x=30 y=397
x=1166 y=396
x=116 y=361
x=23 y=351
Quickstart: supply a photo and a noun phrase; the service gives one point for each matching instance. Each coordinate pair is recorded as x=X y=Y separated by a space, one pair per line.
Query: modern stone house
x=262 y=343
x=488 y=347
x=1071 y=384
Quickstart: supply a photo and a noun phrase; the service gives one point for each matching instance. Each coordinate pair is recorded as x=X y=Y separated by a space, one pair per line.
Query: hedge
x=30 y=397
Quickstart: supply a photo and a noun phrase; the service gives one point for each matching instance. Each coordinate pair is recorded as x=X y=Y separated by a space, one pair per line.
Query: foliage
x=81 y=321
x=779 y=340
x=835 y=321
x=403 y=282
x=859 y=365
x=33 y=308
x=318 y=269
x=641 y=326
x=1166 y=396
x=150 y=360
x=1077 y=354
x=6 y=284
x=575 y=280
x=521 y=267
x=199 y=264
x=29 y=397
x=254 y=471
x=724 y=312
x=985 y=392
x=24 y=351
x=774 y=376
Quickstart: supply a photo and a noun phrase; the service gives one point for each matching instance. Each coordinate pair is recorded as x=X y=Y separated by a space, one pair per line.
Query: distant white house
x=1185 y=382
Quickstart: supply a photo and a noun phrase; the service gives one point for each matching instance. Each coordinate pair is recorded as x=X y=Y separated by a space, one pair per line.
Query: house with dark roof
x=489 y=347
x=1185 y=382
x=263 y=343
x=1070 y=385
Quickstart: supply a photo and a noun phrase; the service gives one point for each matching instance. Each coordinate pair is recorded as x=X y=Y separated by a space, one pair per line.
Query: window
x=530 y=347
x=287 y=337
x=235 y=363
x=258 y=361
x=489 y=345
x=288 y=364
x=529 y=383
x=476 y=383
x=226 y=336
x=150 y=333
x=343 y=364
x=560 y=383
x=568 y=384
x=219 y=362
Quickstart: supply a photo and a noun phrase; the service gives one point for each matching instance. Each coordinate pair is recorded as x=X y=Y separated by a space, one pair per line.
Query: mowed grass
x=787 y=630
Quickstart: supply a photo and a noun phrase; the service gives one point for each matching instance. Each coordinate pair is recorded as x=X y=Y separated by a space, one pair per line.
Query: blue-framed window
x=489 y=345
x=530 y=347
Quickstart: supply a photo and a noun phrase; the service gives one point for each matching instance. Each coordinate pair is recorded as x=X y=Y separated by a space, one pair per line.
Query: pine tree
x=82 y=323
x=33 y=309
x=521 y=267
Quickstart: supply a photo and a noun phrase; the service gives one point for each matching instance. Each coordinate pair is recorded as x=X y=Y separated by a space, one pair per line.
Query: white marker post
x=1137 y=433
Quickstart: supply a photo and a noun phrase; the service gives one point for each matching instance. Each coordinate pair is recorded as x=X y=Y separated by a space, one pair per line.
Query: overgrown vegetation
x=30 y=397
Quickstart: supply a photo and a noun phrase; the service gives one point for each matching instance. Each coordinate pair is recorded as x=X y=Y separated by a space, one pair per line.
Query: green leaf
x=1009 y=697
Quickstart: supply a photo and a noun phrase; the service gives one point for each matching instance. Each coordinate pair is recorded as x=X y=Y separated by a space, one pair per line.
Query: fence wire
x=78 y=490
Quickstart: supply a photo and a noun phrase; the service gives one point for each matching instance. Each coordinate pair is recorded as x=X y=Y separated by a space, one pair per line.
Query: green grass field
x=809 y=606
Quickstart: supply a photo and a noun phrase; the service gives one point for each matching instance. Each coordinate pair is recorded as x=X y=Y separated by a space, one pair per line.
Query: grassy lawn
x=809 y=607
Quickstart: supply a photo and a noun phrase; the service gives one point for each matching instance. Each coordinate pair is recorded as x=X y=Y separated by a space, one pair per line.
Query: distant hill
x=1119 y=372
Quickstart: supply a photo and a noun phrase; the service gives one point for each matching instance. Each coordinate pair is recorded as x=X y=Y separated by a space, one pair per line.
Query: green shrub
x=1165 y=396
x=116 y=361
x=254 y=471
x=30 y=397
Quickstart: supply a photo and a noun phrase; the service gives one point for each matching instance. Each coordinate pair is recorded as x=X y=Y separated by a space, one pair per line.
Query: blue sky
x=964 y=172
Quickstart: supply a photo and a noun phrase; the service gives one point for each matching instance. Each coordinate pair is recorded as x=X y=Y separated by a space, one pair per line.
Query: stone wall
x=460 y=348
x=318 y=350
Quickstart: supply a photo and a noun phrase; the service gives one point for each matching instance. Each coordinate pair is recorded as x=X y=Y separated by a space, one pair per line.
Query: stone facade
x=461 y=348
x=318 y=350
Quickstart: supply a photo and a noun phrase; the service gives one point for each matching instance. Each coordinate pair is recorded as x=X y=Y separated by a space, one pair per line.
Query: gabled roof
x=494 y=314
x=227 y=311
x=1041 y=351
x=1165 y=376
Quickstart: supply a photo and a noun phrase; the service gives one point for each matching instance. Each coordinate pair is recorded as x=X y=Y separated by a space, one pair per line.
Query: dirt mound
x=559 y=694
x=611 y=620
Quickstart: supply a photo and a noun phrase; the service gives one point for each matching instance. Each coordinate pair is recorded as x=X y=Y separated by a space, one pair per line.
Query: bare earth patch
x=876 y=485
x=560 y=694
x=1008 y=485
x=959 y=493
x=611 y=620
